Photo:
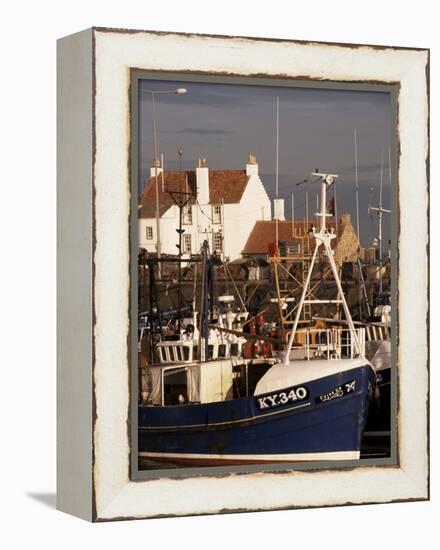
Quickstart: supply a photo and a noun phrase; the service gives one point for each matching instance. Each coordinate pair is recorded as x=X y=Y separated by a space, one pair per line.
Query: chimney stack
x=156 y=162
x=252 y=166
x=278 y=209
x=202 y=178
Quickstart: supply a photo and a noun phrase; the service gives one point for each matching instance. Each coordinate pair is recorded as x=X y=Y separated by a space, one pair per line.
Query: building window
x=217 y=242
x=216 y=213
x=187 y=215
x=149 y=233
x=186 y=243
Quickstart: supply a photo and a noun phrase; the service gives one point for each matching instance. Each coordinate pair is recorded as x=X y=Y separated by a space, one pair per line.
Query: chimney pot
x=278 y=207
x=156 y=165
x=252 y=165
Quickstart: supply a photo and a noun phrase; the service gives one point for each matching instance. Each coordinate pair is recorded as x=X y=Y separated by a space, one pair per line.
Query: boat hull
x=318 y=420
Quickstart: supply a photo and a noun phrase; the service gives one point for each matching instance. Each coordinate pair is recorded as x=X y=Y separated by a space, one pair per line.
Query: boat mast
x=357 y=184
x=293 y=214
x=206 y=286
x=380 y=226
x=181 y=199
x=363 y=288
x=322 y=237
x=380 y=211
x=277 y=151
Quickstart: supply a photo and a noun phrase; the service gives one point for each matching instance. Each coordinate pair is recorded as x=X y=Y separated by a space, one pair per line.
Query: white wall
x=169 y=222
x=254 y=205
x=231 y=234
x=237 y=222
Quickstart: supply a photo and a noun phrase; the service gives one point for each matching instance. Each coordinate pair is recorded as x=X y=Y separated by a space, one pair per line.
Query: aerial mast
x=380 y=210
x=276 y=170
x=323 y=236
x=357 y=184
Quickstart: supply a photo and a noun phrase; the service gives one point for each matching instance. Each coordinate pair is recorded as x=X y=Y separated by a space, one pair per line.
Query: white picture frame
x=94 y=453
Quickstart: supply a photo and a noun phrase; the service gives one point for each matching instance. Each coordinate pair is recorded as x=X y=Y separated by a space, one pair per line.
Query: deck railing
x=330 y=343
x=377 y=332
x=187 y=352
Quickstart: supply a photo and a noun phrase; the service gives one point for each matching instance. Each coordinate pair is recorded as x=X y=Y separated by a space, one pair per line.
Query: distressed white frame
x=115 y=495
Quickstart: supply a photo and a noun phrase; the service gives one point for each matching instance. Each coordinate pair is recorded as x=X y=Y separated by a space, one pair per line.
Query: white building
x=223 y=208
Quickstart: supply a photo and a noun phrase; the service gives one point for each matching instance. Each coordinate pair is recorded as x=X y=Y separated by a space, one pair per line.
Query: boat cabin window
x=174 y=353
x=175 y=387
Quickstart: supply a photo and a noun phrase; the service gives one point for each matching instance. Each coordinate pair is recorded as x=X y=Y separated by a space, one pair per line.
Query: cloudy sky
x=225 y=122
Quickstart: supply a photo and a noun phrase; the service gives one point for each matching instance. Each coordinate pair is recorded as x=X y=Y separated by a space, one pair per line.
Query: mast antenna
x=276 y=170
x=357 y=184
x=380 y=210
x=323 y=236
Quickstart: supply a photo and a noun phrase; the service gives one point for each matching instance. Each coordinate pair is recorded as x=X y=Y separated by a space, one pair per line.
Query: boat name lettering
x=340 y=391
x=281 y=398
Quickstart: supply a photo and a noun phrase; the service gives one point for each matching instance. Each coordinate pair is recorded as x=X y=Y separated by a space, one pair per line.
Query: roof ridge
x=192 y=171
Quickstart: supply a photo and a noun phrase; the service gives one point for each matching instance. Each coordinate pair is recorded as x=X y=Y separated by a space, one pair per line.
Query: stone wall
x=347 y=247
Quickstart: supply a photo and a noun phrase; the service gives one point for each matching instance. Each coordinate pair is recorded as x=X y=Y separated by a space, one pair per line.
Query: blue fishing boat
x=320 y=419
x=309 y=404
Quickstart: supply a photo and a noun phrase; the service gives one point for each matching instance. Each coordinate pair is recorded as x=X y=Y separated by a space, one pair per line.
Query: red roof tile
x=264 y=232
x=224 y=186
x=227 y=186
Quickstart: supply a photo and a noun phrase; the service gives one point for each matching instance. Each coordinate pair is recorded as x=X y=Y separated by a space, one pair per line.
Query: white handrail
x=330 y=343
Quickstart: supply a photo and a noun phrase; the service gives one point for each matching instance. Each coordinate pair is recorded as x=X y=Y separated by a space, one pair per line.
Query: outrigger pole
x=322 y=237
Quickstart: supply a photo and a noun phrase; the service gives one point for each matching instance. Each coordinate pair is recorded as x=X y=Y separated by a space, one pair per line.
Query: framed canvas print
x=242 y=274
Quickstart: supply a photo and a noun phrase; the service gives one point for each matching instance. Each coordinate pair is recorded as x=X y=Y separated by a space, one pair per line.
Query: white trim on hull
x=295 y=457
